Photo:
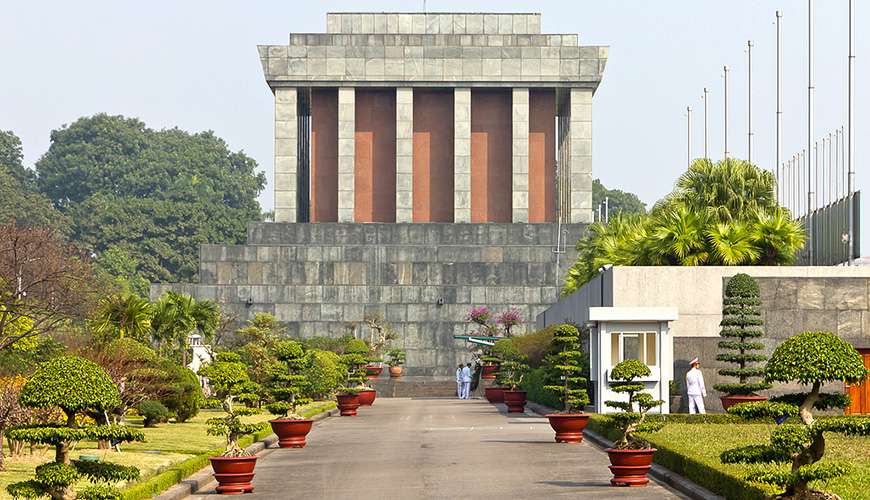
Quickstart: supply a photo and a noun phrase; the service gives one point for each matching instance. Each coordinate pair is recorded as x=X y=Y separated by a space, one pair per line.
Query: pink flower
x=480 y=315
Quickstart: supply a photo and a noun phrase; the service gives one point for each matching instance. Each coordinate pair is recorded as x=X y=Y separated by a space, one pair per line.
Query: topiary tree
x=741 y=321
x=76 y=386
x=397 y=357
x=354 y=362
x=564 y=368
x=228 y=377
x=183 y=395
x=288 y=386
x=513 y=365
x=813 y=359
x=153 y=413
x=633 y=415
x=324 y=372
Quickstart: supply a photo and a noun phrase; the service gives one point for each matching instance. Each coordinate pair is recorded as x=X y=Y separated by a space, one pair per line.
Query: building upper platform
x=434 y=23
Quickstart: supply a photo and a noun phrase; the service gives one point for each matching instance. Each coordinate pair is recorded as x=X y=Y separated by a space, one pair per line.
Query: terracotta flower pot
x=347 y=404
x=488 y=372
x=494 y=394
x=515 y=401
x=568 y=426
x=630 y=467
x=234 y=474
x=733 y=399
x=373 y=371
x=395 y=371
x=367 y=397
x=291 y=433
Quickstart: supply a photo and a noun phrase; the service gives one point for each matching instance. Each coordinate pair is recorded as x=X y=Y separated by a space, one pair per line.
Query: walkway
x=437 y=448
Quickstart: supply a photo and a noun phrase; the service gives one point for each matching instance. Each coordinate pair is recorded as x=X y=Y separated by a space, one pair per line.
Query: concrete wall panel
x=542 y=155
x=375 y=156
x=324 y=155
x=433 y=155
x=491 y=158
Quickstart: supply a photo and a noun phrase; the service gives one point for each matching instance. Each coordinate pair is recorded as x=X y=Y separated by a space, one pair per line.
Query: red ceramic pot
x=367 y=397
x=347 y=404
x=488 y=372
x=291 y=433
x=234 y=474
x=494 y=394
x=515 y=401
x=373 y=371
x=568 y=426
x=731 y=400
x=630 y=467
x=395 y=371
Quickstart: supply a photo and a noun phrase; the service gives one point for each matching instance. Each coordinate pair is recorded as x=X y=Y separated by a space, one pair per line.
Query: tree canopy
x=19 y=199
x=617 y=201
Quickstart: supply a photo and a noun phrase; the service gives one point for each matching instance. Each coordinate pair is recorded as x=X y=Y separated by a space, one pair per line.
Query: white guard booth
x=620 y=333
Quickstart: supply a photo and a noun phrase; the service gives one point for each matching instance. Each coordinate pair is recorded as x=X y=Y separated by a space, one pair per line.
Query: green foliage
x=229 y=378
x=157 y=194
x=617 y=201
x=565 y=368
x=177 y=315
x=99 y=492
x=826 y=401
x=816 y=357
x=356 y=346
x=754 y=454
x=25 y=489
x=535 y=345
x=123 y=316
x=116 y=263
x=56 y=474
x=324 y=372
x=397 y=357
x=183 y=395
x=533 y=384
x=55 y=434
x=71 y=383
x=19 y=198
x=763 y=410
x=153 y=413
x=632 y=419
x=105 y=471
x=289 y=385
x=337 y=345
x=227 y=375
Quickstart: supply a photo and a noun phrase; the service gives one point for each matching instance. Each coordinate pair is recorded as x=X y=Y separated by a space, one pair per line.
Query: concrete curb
x=661 y=474
x=203 y=479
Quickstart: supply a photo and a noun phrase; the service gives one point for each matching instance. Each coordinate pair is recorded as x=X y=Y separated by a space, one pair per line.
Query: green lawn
x=165 y=446
x=693 y=450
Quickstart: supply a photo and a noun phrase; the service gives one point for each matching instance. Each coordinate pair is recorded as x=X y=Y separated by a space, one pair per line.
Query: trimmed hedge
x=533 y=384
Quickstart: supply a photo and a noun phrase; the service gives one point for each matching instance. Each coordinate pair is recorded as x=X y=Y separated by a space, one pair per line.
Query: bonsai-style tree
x=813 y=359
x=741 y=322
x=354 y=360
x=509 y=319
x=633 y=415
x=513 y=365
x=380 y=333
x=397 y=357
x=565 y=369
x=228 y=377
x=76 y=386
x=289 y=387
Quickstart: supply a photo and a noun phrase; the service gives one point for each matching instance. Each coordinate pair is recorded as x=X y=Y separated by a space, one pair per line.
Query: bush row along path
x=438 y=448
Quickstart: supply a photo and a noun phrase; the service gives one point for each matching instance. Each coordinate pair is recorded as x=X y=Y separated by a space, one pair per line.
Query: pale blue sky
x=194 y=65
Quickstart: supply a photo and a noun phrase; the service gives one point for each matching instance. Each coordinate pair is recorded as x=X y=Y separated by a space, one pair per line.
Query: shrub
x=509 y=319
x=288 y=385
x=153 y=413
x=634 y=411
x=353 y=367
x=536 y=345
x=324 y=372
x=512 y=367
x=533 y=384
x=741 y=321
x=333 y=344
x=229 y=377
x=184 y=394
x=810 y=358
x=397 y=357
x=565 y=369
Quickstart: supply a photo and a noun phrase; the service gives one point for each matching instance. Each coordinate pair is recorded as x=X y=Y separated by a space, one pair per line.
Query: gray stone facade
x=317 y=278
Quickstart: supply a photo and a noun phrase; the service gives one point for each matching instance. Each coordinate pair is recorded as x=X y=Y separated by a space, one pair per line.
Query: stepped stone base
x=322 y=279
x=415 y=387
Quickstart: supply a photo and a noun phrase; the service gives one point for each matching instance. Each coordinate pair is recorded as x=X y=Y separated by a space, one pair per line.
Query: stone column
x=285 y=154
x=462 y=155
x=580 y=159
x=404 y=154
x=346 y=128
x=520 y=155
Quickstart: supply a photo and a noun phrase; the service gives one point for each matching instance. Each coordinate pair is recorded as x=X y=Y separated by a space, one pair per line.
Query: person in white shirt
x=466 y=380
x=459 y=381
x=695 y=389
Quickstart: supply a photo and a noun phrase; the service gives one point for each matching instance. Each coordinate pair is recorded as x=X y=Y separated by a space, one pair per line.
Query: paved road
x=437 y=448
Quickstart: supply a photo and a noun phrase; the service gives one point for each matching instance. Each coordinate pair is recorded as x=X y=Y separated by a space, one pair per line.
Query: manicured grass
x=171 y=450
x=693 y=450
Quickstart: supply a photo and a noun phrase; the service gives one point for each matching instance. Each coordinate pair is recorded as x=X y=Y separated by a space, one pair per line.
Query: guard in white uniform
x=695 y=388
x=459 y=381
x=466 y=380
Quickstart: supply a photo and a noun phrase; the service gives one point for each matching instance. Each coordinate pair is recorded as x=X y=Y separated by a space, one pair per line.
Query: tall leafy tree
x=157 y=194
x=617 y=201
x=20 y=201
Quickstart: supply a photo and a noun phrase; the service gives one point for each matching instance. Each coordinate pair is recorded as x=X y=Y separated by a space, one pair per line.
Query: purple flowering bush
x=479 y=315
x=509 y=319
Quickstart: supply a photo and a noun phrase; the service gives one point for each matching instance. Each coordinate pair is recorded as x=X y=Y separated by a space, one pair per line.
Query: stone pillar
x=285 y=154
x=404 y=154
x=462 y=155
x=346 y=128
x=520 y=155
x=580 y=159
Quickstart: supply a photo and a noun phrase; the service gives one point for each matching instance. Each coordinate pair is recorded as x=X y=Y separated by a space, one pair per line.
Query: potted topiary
x=380 y=333
x=511 y=371
x=814 y=359
x=289 y=388
x=354 y=364
x=397 y=359
x=741 y=322
x=234 y=469
x=482 y=318
x=76 y=386
x=631 y=457
x=564 y=370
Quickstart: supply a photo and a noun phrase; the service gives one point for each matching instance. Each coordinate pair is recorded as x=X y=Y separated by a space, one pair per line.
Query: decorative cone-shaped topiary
x=354 y=362
x=288 y=385
x=76 y=386
x=565 y=369
x=741 y=322
x=813 y=359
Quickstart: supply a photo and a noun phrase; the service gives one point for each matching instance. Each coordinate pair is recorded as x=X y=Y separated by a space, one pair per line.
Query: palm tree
x=732 y=244
x=678 y=236
x=123 y=316
x=178 y=315
x=778 y=237
x=730 y=189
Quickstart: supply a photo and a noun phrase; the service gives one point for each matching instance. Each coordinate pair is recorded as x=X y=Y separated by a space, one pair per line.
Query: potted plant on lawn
x=354 y=364
x=234 y=469
x=631 y=457
x=397 y=359
x=741 y=326
x=512 y=370
x=565 y=378
x=813 y=359
x=289 y=388
x=77 y=387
